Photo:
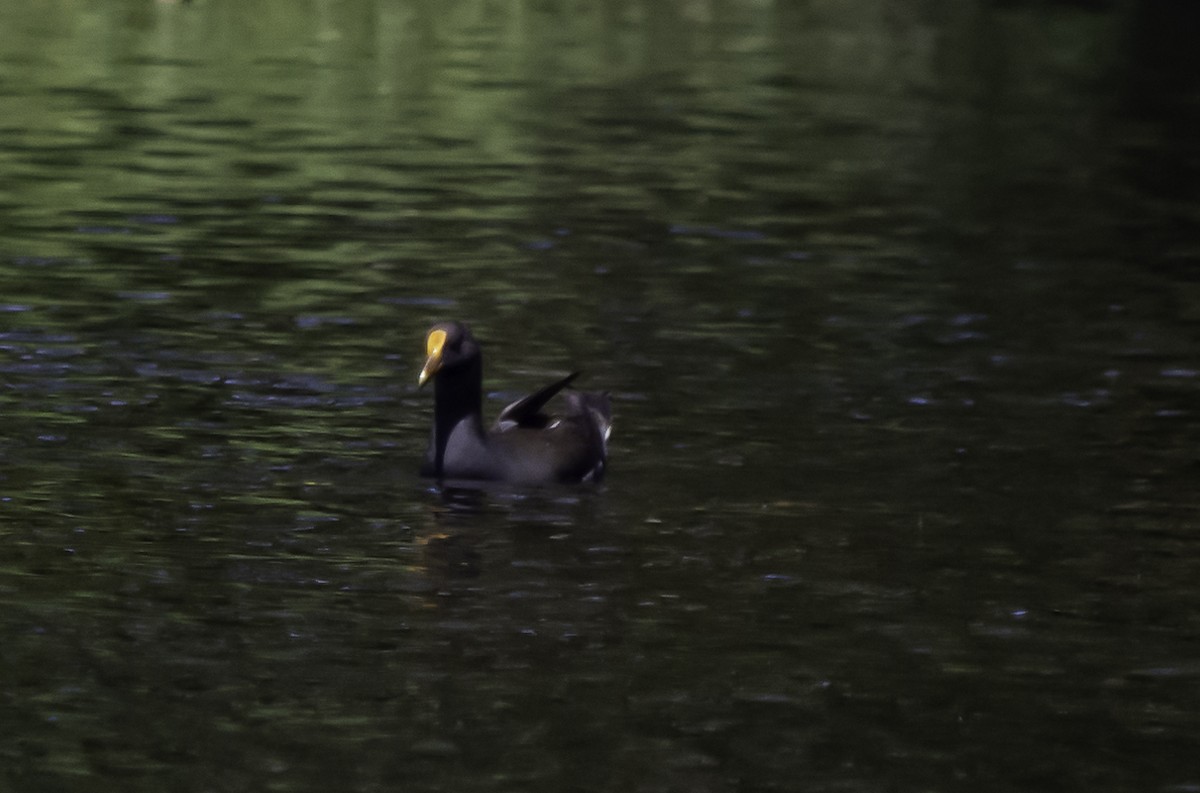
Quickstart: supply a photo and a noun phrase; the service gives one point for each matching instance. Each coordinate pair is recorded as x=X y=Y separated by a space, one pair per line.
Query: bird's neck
x=457 y=398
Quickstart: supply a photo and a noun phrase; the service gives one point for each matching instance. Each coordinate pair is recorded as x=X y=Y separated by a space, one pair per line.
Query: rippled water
x=898 y=310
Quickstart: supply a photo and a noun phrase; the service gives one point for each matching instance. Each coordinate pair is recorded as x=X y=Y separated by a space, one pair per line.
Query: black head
x=449 y=346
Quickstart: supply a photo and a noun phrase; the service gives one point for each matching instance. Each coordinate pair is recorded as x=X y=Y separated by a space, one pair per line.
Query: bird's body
x=526 y=445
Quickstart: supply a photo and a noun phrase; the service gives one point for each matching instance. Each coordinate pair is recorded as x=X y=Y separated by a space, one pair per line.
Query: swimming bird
x=525 y=445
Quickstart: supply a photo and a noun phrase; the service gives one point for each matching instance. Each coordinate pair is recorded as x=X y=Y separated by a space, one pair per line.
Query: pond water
x=898 y=305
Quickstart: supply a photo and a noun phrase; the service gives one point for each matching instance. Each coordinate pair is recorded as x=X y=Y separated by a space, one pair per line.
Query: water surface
x=898 y=310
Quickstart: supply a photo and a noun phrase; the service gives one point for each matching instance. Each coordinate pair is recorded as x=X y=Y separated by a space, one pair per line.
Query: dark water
x=898 y=304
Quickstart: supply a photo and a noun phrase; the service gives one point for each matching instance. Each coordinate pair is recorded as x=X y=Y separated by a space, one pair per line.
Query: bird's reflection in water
x=457 y=501
x=451 y=556
x=451 y=542
x=464 y=502
x=463 y=517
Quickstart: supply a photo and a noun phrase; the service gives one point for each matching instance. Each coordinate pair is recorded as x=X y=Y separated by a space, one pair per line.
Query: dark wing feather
x=527 y=411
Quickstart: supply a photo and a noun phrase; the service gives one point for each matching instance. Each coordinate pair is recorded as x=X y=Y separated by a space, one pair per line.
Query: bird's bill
x=433 y=355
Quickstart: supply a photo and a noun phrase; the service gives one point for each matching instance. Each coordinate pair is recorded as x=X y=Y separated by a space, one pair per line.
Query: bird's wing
x=527 y=411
